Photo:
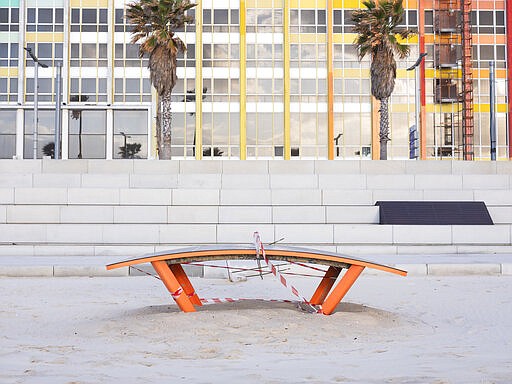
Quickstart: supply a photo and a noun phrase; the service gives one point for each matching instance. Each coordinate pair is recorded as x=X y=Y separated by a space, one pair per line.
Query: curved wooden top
x=247 y=252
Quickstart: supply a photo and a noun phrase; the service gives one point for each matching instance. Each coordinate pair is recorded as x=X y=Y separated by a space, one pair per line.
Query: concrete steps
x=125 y=208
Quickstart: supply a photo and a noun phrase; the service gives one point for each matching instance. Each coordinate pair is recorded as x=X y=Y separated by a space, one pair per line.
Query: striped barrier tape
x=260 y=251
x=219 y=300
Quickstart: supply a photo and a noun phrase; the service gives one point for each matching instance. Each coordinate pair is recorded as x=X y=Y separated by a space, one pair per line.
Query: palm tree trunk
x=164 y=136
x=384 y=128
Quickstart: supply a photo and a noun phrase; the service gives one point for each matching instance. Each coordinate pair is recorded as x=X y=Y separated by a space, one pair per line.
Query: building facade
x=261 y=79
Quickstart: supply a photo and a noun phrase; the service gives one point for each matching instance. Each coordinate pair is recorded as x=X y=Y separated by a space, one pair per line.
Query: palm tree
x=378 y=32
x=154 y=25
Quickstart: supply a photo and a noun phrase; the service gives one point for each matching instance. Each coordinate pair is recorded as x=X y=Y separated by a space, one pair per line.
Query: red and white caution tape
x=219 y=300
x=260 y=250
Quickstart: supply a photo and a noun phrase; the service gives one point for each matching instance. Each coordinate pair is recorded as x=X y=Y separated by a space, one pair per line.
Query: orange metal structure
x=168 y=267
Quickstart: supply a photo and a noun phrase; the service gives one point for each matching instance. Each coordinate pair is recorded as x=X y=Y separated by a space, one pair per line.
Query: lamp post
x=492 y=101
x=37 y=64
x=125 y=136
x=418 y=89
x=336 y=139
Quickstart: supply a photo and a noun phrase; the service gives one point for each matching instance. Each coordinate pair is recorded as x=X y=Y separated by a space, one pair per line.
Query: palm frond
x=154 y=26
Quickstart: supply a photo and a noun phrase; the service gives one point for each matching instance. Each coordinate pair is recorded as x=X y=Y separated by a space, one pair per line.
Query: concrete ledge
x=20 y=166
x=6 y=195
x=417 y=269
x=414 y=269
x=78 y=270
x=506 y=269
x=463 y=269
x=26 y=271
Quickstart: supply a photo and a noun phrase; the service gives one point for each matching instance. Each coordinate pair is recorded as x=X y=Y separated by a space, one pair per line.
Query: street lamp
x=125 y=149
x=418 y=89
x=336 y=139
x=37 y=64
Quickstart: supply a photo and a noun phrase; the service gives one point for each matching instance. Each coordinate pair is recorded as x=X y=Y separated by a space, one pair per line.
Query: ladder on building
x=467 y=81
x=454 y=124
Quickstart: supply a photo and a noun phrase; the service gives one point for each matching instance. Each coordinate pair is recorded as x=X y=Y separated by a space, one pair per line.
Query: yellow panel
x=312 y=38
x=410 y=40
x=348 y=38
x=481 y=108
x=262 y=4
x=345 y=38
x=243 y=82
x=443 y=108
x=286 y=80
x=307 y=4
x=404 y=74
x=431 y=73
x=337 y=4
x=307 y=38
x=330 y=85
x=32 y=37
x=199 y=83
x=402 y=107
x=486 y=108
x=501 y=73
x=502 y=108
x=8 y=72
x=482 y=73
x=89 y=4
x=351 y=4
x=352 y=73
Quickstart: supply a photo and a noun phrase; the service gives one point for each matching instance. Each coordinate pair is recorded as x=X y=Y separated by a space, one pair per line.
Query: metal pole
x=492 y=110
x=417 y=92
x=36 y=117
x=417 y=102
x=58 y=111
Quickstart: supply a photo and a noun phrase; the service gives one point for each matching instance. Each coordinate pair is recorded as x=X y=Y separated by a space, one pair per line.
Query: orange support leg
x=184 y=281
x=325 y=285
x=341 y=289
x=173 y=285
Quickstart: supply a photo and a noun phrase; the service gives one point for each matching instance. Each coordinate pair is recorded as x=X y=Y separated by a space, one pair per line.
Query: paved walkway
x=450 y=264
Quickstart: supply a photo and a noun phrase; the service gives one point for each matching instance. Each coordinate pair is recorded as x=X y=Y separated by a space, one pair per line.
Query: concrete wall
x=131 y=207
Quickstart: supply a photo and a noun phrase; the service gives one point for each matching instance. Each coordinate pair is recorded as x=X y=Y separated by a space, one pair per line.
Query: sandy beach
x=389 y=329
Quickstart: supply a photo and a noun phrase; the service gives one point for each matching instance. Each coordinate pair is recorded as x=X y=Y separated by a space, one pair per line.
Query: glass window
x=75 y=16
x=307 y=17
x=7 y=133
x=45 y=15
x=4 y=15
x=31 y=15
x=486 y=52
x=130 y=134
x=486 y=18
x=45 y=133
x=44 y=51
x=220 y=16
x=87 y=131
x=89 y=16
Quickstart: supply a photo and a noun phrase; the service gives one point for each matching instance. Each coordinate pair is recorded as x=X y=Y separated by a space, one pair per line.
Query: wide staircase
x=126 y=208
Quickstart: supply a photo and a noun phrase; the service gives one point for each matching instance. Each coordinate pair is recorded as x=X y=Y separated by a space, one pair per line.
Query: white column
x=65 y=83
x=20 y=122
x=110 y=134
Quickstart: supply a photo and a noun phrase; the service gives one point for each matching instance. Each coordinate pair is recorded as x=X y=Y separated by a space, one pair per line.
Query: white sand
x=128 y=330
